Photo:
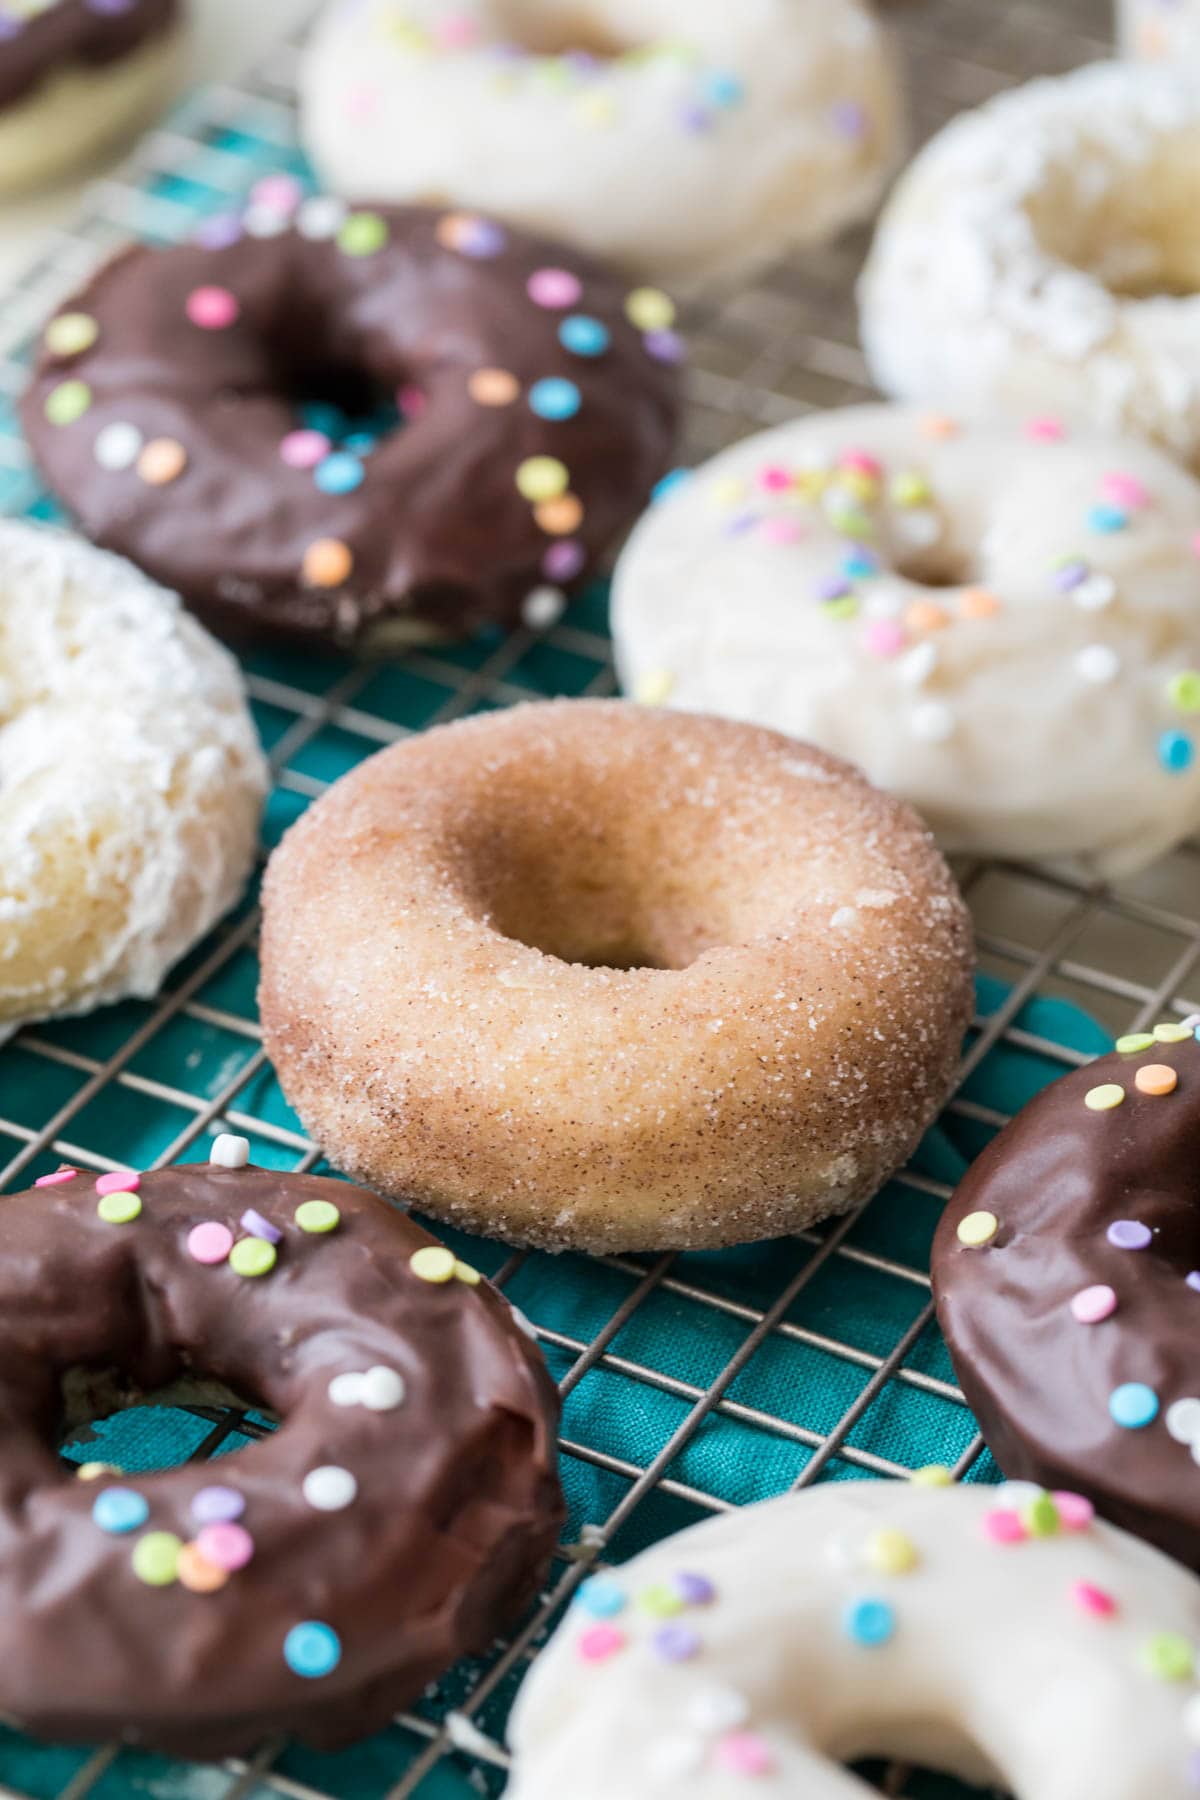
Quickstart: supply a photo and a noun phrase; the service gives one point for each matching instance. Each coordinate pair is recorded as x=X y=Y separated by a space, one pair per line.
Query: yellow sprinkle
x=1104 y=1097
x=542 y=478
x=911 y=489
x=650 y=309
x=464 y=1272
x=935 y=1475
x=1171 y=1033
x=71 y=333
x=1137 y=1040
x=654 y=688
x=433 y=1263
x=596 y=110
x=892 y=1552
x=728 y=490
x=977 y=1229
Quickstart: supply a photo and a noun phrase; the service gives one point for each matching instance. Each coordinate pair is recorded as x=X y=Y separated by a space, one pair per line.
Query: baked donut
x=684 y=139
x=999 y=1634
x=1067 y=1271
x=585 y=975
x=1039 y=257
x=404 y=1511
x=76 y=75
x=1159 y=29
x=131 y=779
x=1002 y=624
x=172 y=410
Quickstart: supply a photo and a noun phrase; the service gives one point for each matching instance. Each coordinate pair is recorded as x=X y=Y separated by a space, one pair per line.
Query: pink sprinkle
x=362 y=100
x=553 y=287
x=1046 y=430
x=1196 y=544
x=1124 y=490
x=781 y=531
x=210 y=1242
x=861 y=461
x=1092 y=1304
x=304 y=449
x=456 y=32
x=120 y=1182
x=1003 y=1526
x=1075 y=1511
x=743 y=1753
x=225 y=1546
x=212 y=308
x=55 y=1180
x=600 y=1642
x=564 y=560
x=774 y=479
x=280 y=193
x=412 y=401
x=883 y=637
x=1093 y=1600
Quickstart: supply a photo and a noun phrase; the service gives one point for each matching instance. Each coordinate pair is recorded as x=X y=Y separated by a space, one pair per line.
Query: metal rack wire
x=692 y=1335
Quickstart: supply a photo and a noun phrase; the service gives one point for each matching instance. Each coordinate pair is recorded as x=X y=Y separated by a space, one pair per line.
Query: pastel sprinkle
x=1046 y=430
x=225 y=1545
x=254 y=1225
x=869 y=1621
x=340 y=473
x=1129 y=1234
x=743 y=1753
x=676 y=1643
x=195 y=1573
x=1004 y=1526
x=433 y=1263
x=329 y=1488
x=542 y=478
x=67 y=402
x=381 y=1389
x=217 y=1505
x=57 y=1179
x=600 y=1642
x=650 y=309
x=934 y=1475
x=327 y=563
x=1135 y=1042
x=1107 y=519
x=1156 y=1078
x=564 y=561
x=492 y=387
x=471 y=235
x=694 y=1590
x=212 y=308
x=554 y=288
x=554 y=398
x=71 y=334
x=120 y=1509
x=1040 y=1517
x=561 y=516
x=318 y=1216
x=155 y=1558
x=1176 y=751
x=119 y=1209
x=1171 y=1033
x=600 y=1597
x=464 y=1272
x=210 y=1242
x=1093 y=1304
x=1104 y=1097
x=1183 y=1420
x=229 y=1151
x=883 y=638
x=977 y=1229
x=118 y=446
x=312 y=1649
x=1124 y=490
x=161 y=462
x=252 y=1257
x=1093 y=1600
x=1183 y=691
x=891 y=1552
x=584 y=336
x=661 y=1601
x=1168 y=1656
x=304 y=449
x=1133 y=1405
x=119 y=1181
x=362 y=234
x=1075 y=1511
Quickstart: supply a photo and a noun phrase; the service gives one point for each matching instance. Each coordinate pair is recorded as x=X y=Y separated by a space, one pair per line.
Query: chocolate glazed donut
x=86 y=32
x=168 y=411
x=404 y=1511
x=1067 y=1276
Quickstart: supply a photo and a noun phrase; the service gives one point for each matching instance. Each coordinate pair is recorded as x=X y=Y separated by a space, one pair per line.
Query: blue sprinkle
x=673 y=479
x=1133 y=1405
x=339 y=474
x=860 y=565
x=360 y=443
x=1107 y=518
x=601 y=1598
x=312 y=1649
x=723 y=89
x=323 y=416
x=583 y=335
x=120 y=1509
x=1176 y=751
x=555 y=398
x=869 y=1622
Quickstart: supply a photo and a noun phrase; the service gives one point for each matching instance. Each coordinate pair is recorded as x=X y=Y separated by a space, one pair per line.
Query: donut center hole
x=344 y=405
x=107 y=1416
x=1136 y=236
x=940 y=565
x=543 y=30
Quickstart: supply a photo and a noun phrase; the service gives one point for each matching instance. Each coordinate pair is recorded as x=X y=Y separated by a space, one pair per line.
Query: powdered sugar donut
x=131 y=779
x=680 y=138
x=1000 y=1634
x=1039 y=255
x=1000 y=623
x=1159 y=30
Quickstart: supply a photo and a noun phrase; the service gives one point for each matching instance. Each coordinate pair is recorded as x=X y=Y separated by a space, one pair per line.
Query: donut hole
x=562 y=30
x=1134 y=234
x=339 y=399
x=940 y=565
x=108 y=1415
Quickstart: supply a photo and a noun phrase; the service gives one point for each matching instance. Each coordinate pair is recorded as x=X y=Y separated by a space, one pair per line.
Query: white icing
x=1159 y=30
x=410 y=100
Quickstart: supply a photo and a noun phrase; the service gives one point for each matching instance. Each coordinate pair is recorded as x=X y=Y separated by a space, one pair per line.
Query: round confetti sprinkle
x=676 y=1643
x=346 y=1389
x=312 y=1649
x=664 y=346
x=162 y=461
x=493 y=387
x=1093 y=1304
x=600 y=1642
x=1075 y=1511
x=1097 y=663
x=120 y=1509
x=743 y=1753
x=600 y=1597
x=340 y=473
x=318 y=1216
x=433 y=1263
x=1092 y=1599
x=693 y=1589
x=67 y=402
x=304 y=449
x=226 y=1546
x=321 y=217
x=363 y=234
x=1003 y=1526
x=584 y=336
x=1135 y=1042
x=382 y=1389
x=543 y=607
x=553 y=288
x=463 y=1271
x=891 y=1552
x=1040 y=1517
x=935 y=1475
x=71 y=333
x=209 y=1242
x=977 y=1229
x=329 y=1488
x=1183 y=1420
x=661 y=1601
x=212 y=308
x=1183 y=691
x=1176 y=751
x=1094 y=592
x=1133 y=1405
x=1156 y=1078
x=560 y=517
x=1129 y=1234
x=542 y=478
x=121 y=1208
x=56 y=1179
x=869 y=1622
x=977 y=603
x=1171 y=1033
x=654 y=688
x=1191 y=1718
x=252 y=1257
x=1193 y=1281
x=1168 y=1657
x=255 y=1225
x=118 y=446
x=554 y=398
x=327 y=563
x=194 y=1572
x=156 y=1558
x=118 y=1181
x=1104 y=1097
x=471 y=235
x=94 y=1471
x=217 y=1505
x=650 y=309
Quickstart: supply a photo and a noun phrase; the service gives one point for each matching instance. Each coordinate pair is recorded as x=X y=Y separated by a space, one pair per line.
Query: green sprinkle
x=1184 y=690
x=1136 y=1041
x=119 y=1209
x=1168 y=1656
x=68 y=402
x=156 y=1558
x=318 y=1216
x=252 y=1256
x=1040 y=1517
x=363 y=234
x=660 y=1601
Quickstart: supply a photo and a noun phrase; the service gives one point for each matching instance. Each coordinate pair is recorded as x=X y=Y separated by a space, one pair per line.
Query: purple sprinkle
x=218 y=232
x=695 y=118
x=694 y=1590
x=1193 y=1769
x=1129 y=1234
x=834 y=587
x=217 y=1505
x=110 y=8
x=664 y=346
x=10 y=27
x=258 y=1227
x=482 y=238
x=1070 y=576
x=849 y=118
x=1193 y=1281
x=564 y=560
x=676 y=1643
x=741 y=522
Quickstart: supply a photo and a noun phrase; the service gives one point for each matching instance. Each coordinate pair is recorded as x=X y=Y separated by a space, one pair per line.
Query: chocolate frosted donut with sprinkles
x=1067 y=1276
x=403 y=1512
x=358 y=427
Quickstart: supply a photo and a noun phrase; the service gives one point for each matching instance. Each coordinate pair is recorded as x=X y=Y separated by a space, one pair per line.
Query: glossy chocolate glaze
x=1039 y=1381
x=87 y=32
x=441 y=540
x=457 y=1507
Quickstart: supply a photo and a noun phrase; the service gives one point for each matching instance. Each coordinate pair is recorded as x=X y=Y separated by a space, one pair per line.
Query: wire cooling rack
x=690 y=1383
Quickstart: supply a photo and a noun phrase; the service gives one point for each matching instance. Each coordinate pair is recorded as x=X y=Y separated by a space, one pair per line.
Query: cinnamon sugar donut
x=586 y=975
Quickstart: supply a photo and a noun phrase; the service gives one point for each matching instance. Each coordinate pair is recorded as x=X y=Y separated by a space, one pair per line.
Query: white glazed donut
x=1001 y=624
x=756 y=1653
x=679 y=138
x=1159 y=30
x=131 y=780
x=1041 y=255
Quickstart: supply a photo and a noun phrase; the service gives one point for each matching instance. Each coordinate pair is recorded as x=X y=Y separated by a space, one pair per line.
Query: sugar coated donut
x=1000 y=623
x=1039 y=257
x=1159 y=30
x=315 y=1582
x=131 y=780
x=1000 y=1634
x=173 y=410
x=1068 y=1287
x=76 y=75
x=682 y=138
x=584 y=974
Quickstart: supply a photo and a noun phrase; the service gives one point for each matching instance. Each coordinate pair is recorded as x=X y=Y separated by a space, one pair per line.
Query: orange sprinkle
x=977 y=603
x=162 y=461
x=926 y=615
x=938 y=425
x=493 y=387
x=559 y=518
x=327 y=563
x=1156 y=1078
x=198 y=1575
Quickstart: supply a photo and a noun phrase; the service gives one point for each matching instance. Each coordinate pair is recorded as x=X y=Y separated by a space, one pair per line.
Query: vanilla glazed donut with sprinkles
x=1067 y=1276
x=1001 y=1635
x=402 y=1513
x=357 y=427
x=1000 y=622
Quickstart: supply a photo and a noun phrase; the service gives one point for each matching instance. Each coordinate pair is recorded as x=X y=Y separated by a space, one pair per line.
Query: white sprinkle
x=918 y=526
x=1095 y=592
x=543 y=607
x=322 y=217
x=1183 y=1421
x=917 y=665
x=1016 y=1494
x=1098 y=663
x=346 y=1390
x=329 y=1488
x=264 y=221
x=118 y=446
x=382 y=1389
x=933 y=722
x=229 y=1152
x=1191 y=1718
x=716 y=1708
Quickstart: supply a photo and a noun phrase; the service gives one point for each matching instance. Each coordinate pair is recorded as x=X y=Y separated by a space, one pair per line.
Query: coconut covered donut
x=681 y=138
x=586 y=975
x=1039 y=256
x=1000 y=1634
x=76 y=75
x=131 y=780
x=1159 y=30
x=1000 y=623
